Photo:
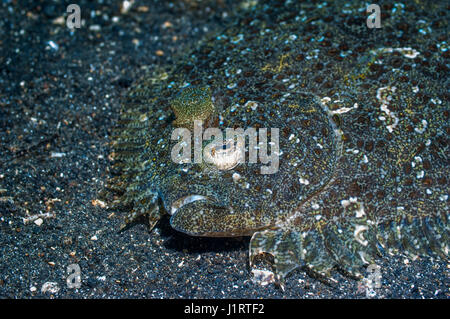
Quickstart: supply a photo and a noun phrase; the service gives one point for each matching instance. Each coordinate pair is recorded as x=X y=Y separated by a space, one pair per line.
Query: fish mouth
x=176 y=205
x=198 y=215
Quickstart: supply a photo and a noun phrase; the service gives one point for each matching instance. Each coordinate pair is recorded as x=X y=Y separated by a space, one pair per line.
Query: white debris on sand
x=263 y=277
x=57 y=154
x=51 y=287
x=33 y=218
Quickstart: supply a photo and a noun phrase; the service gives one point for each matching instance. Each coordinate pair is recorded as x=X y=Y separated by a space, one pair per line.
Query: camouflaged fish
x=363 y=123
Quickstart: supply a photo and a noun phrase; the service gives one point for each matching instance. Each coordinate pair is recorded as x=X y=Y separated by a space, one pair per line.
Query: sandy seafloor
x=60 y=97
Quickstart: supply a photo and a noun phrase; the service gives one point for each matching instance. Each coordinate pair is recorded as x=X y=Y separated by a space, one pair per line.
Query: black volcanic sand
x=60 y=98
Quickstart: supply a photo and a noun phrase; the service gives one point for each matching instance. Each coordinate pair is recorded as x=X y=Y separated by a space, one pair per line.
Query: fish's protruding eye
x=193 y=104
x=226 y=155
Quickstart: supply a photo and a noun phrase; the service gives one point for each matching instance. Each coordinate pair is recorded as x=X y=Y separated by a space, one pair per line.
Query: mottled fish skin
x=364 y=123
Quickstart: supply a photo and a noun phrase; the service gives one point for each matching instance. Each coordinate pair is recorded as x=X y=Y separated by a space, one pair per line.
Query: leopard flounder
x=362 y=116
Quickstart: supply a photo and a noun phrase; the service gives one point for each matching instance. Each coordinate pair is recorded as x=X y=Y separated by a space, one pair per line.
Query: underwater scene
x=246 y=149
